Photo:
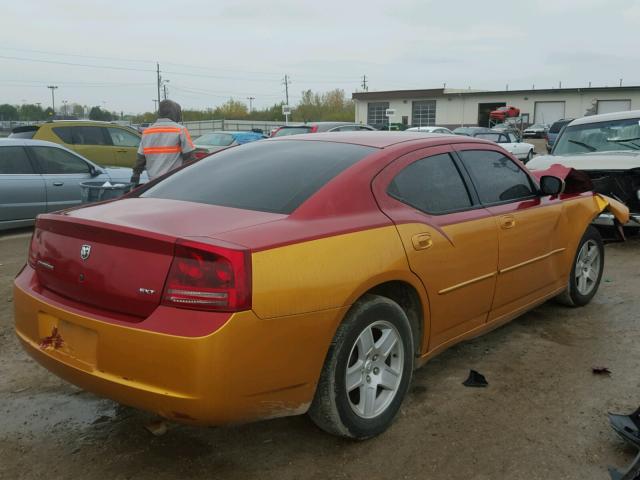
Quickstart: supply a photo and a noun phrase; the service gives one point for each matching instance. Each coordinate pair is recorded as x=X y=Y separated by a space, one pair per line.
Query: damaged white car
x=607 y=148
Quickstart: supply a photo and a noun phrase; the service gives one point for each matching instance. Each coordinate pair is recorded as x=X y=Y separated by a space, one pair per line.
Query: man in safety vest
x=165 y=145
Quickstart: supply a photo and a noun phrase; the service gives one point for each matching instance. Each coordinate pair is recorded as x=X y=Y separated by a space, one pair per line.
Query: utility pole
x=286 y=83
x=364 y=83
x=53 y=97
x=251 y=99
x=620 y=82
x=164 y=87
x=159 y=78
x=155 y=104
x=64 y=102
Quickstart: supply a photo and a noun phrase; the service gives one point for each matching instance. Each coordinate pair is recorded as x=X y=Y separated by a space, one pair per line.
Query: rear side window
x=266 y=176
x=497 y=178
x=90 y=136
x=58 y=161
x=122 y=138
x=14 y=161
x=64 y=133
x=432 y=185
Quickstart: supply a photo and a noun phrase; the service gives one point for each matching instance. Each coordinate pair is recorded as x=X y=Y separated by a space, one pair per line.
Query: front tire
x=367 y=370
x=529 y=156
x=586 y=272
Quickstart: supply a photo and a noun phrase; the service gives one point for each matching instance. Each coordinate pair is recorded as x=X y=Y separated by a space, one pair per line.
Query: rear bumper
x=248 y=369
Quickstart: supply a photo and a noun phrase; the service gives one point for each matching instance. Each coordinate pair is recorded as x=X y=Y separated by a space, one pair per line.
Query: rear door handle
x=422 y=241
x=58 y=184
x=507 y=222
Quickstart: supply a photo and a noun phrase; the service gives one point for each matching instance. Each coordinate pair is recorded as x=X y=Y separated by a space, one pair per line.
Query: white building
x=453 y=108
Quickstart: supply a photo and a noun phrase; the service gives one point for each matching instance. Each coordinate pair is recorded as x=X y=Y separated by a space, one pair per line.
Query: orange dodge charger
x=303 y=274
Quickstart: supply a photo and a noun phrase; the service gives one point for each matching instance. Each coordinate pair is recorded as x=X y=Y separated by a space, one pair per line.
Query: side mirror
x=93 y=171
x=550 y=185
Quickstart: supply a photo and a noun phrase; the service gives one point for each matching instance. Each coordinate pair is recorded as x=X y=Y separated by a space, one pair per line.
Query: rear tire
x=367 y=370
x=586 y=272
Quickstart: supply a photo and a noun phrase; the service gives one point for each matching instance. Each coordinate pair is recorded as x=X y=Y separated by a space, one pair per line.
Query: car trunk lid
x=120 y=263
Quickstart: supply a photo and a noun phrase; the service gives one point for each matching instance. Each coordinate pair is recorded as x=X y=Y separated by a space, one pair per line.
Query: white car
x=507 y=140
x=430 y=130
x=607 y=148
x=537 y=130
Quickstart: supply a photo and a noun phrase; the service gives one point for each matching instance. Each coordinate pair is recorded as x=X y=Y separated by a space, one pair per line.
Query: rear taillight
x=207 y=277
x=313 y=129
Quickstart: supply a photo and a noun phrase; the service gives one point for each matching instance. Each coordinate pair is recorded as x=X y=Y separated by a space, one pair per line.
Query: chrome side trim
x=532 y=260
x=468 y=282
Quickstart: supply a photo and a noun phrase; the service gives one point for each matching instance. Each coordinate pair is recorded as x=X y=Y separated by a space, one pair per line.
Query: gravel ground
x=543 y=415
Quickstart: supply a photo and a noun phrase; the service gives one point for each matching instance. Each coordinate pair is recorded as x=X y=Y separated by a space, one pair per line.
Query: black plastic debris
x=475 y=379
x=627 y=426
x=632 y=473
x=600 y=371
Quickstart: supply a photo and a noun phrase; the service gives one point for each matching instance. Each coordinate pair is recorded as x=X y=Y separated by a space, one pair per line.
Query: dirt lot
x=543 y=415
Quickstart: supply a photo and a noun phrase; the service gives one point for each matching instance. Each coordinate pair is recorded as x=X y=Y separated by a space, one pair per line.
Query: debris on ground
x=157 y=427
x=600 y=371
x=475 y=379
x=627 y=426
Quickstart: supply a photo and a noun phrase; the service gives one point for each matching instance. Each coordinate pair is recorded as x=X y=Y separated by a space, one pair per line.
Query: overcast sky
x=210 y=51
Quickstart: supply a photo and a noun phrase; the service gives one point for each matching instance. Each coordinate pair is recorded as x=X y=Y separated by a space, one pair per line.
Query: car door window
x=64 y=133
x=432 y=184
x=57 y=161
x=91 y=136
x=512 y=138
x=346 y=128
x=497 y=178
x=121 y=138
x=14 y=161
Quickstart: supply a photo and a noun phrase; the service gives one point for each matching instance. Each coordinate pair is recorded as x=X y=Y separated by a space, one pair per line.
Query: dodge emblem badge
x=85 y=251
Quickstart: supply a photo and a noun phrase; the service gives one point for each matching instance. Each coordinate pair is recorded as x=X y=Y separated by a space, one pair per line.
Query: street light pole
x=53 y=97
x=251 y=99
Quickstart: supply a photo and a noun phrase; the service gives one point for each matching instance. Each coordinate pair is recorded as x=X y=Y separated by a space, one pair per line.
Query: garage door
x=548 y=112
x=610 y=106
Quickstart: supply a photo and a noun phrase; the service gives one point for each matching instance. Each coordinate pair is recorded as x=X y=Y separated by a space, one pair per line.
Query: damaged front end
x=614 y=203
x=621 y=185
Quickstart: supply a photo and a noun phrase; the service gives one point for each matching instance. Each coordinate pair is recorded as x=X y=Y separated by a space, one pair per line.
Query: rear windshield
x=556 y=127
x=266 y=176
x=291 y=131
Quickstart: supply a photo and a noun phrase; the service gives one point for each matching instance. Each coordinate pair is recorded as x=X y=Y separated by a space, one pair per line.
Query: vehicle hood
x=212 y=148
x=589 y=161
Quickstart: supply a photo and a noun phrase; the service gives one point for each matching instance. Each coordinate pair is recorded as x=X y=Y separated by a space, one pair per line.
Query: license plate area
x=72 y=343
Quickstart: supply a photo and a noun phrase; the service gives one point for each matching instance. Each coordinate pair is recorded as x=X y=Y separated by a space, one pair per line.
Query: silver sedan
x=38 y=177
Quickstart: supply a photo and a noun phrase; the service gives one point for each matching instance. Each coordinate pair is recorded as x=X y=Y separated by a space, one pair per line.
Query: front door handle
x=422 y=241
x=58 y=184
x=507 y=222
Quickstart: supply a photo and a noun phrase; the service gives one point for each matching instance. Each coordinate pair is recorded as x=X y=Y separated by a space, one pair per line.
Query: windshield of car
x=613 y=135
x=266 y=176
x=291 y=131
x=215 y=139
x=557 y=126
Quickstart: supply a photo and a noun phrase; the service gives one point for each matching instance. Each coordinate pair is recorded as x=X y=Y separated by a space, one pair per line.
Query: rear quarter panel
x=328 y=272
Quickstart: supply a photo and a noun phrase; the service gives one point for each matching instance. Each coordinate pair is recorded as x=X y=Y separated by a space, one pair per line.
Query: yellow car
x=302 y=274
x=104 y=143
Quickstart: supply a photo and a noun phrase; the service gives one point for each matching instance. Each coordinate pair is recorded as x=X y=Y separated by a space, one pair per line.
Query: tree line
x=312 y=106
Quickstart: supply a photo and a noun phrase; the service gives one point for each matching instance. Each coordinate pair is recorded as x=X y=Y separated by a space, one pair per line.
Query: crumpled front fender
x=618 y=209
